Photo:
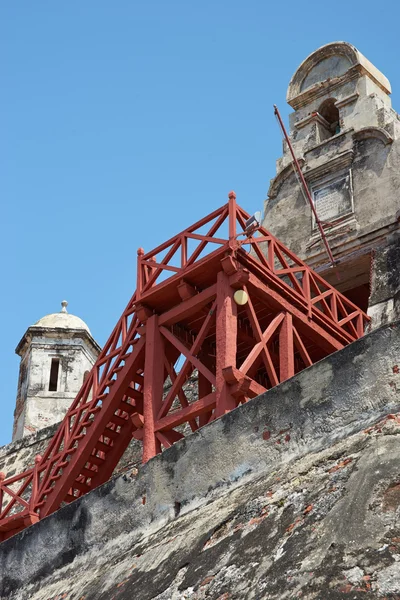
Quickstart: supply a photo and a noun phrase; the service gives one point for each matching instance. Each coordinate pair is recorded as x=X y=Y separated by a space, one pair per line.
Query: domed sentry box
x=56 y=353
x=223 y=299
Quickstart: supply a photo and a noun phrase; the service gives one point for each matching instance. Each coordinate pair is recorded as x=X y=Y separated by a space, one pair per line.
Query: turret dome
x=62 y=320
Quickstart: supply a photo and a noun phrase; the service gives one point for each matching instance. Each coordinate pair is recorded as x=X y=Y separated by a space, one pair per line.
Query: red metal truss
x=183 y=319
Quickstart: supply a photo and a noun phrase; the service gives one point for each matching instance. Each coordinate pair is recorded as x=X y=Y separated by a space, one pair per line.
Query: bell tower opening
x=330 y=114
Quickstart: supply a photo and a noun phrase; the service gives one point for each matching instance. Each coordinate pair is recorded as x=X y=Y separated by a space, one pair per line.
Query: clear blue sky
x=117 y=114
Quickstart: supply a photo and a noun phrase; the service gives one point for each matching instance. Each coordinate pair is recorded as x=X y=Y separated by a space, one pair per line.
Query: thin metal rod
x=305 y=186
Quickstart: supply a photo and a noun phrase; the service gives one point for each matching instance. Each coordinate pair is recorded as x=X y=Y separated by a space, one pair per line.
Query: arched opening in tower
x=330 y=113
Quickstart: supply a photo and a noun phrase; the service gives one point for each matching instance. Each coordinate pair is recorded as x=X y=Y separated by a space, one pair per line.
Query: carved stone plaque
x=333 y=199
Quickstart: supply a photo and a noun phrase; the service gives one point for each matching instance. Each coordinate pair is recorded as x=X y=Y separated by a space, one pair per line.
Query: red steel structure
x=184 y=313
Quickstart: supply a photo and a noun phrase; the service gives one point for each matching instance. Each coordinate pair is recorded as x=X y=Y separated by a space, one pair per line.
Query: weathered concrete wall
x=385 y=286
x=245 y=507
x=20 y=455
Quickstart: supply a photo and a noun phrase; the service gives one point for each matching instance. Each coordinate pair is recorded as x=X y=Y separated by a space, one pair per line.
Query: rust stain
x=207 y=580
x=256 y=520
x=340 y=465
x=391 y=498
x=293 y=525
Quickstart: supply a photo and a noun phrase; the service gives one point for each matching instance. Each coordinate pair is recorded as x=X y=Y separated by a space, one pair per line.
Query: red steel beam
x=226 y=340
x=153 y=386
x=292 y=319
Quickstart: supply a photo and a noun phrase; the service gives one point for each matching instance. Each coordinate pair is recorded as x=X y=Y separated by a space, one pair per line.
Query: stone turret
x=56 y=353
x=346 y=137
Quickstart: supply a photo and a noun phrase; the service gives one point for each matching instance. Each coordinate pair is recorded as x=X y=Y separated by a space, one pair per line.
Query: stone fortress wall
x=293 y=493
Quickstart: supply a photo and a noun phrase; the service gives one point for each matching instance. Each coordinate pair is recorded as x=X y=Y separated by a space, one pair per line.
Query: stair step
x=103 y=447
x=118 y=420
x=70 y=498
x=82 y=487
x=88 y=472
x=128 y=408
x=96 y=460
x=110 y=433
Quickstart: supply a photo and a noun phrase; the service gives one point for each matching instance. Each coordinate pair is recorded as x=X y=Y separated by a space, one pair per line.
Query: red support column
x=139 y=273
x=286 y=349
x=152 y=386
x=226 y=342
x=232 y=216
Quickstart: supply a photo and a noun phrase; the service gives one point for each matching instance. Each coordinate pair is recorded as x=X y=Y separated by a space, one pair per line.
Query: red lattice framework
x=183 y=314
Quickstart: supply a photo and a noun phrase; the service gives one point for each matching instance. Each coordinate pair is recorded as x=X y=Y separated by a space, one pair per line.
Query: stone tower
x=346 y=137
x=56 y=353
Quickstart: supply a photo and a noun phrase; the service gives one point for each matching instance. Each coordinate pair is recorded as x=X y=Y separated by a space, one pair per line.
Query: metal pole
x=305 y=186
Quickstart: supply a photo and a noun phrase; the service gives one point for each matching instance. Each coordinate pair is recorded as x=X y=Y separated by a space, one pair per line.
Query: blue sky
x=122 y=122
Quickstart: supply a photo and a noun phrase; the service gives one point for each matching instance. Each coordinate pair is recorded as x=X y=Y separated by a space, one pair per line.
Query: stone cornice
x=365 y=241
x=315 y=117
x=340 y=162
x=54 y=333
x=373 y=132
x=347 y=100
x=329 y=141
x=322 y=88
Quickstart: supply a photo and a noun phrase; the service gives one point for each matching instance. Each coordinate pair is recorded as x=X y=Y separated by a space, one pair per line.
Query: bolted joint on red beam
x=239 y=279
x=185 y=290
x=229 y=265
x=241 y=385
x=143 y=312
